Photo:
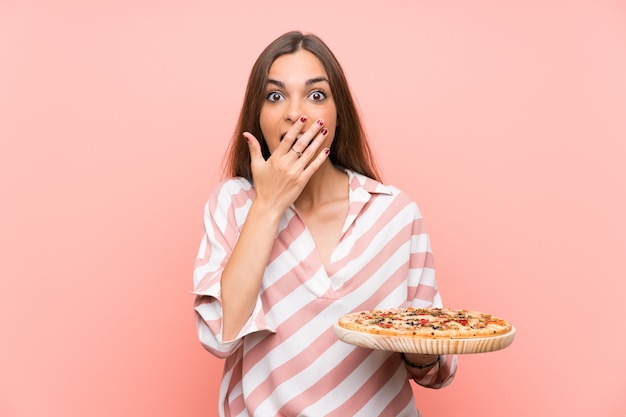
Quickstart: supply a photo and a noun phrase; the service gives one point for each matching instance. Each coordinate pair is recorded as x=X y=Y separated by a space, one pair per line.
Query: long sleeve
x=442 y=374
x=224 y=215
x=423 y=292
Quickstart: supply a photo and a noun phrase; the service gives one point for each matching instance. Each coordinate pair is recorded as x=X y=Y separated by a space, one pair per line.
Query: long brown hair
x=349 y=149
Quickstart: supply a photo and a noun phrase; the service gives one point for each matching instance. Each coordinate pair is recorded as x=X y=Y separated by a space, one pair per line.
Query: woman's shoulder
x=232 y=188
x=232 y=185
x=403 y=199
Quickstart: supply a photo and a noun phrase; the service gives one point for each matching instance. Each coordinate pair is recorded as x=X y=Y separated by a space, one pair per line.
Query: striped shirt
x=286 y=361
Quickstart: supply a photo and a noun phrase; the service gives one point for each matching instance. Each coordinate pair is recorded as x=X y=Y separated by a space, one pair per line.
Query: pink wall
x=505 y=120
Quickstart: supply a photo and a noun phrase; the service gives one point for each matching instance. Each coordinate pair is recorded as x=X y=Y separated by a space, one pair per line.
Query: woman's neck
x=329 y=183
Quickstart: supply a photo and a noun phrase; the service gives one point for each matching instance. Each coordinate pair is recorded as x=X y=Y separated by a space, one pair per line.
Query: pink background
x=506 y=120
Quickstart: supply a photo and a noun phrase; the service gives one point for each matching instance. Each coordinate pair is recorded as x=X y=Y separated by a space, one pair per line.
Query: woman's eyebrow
x=276 y=82
x=316 y=80
x=306 y=83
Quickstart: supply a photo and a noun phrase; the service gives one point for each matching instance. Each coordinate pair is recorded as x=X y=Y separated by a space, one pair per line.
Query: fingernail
x=326 y=151
x=303 y=119
x=324 y=131
x=320 y=122
x=246 y=138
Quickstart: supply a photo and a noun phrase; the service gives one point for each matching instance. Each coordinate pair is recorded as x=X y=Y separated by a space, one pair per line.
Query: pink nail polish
x=303 y=119
x=324 y=131
x=320 y=122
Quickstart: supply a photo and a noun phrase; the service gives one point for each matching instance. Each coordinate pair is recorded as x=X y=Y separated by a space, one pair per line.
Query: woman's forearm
x=243 y=274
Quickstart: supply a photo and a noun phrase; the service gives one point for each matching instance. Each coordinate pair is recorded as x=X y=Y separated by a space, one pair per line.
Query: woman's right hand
x=279 y=180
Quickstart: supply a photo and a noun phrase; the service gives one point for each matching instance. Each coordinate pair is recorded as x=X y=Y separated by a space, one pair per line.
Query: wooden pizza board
x=425 y=346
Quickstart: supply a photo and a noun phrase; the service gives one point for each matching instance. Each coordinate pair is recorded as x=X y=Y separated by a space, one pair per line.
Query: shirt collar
x=361 y=190
x=360 y=184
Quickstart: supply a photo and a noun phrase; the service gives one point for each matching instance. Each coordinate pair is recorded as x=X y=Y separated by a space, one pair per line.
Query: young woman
x=300 y=232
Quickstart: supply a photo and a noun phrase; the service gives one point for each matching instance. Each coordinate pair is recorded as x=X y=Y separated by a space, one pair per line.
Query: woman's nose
x=293 y=111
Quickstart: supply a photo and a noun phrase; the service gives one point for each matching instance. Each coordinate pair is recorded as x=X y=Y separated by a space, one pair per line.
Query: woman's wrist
x=420 y=365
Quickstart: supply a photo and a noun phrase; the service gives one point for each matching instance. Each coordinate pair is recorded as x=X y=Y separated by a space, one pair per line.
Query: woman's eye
x=317 y=95
x=274 y=97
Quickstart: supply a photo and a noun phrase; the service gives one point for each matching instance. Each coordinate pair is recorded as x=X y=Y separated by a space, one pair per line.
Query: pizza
x=429 y=323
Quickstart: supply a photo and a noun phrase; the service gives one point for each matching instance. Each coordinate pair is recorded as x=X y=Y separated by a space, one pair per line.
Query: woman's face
x=297 y=86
